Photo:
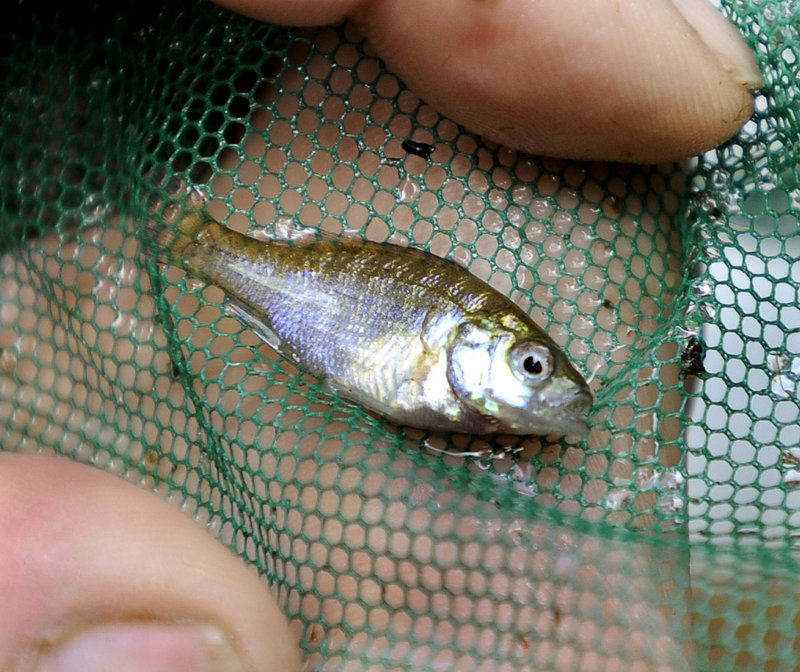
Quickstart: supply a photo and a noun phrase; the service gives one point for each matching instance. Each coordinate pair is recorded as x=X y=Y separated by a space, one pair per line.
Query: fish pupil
x=532 y=365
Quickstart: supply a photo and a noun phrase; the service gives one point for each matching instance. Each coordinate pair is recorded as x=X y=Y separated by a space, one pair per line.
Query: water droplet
x=521 y=194
x=703 y=289
x=707 y=311
x=127 y=272
x=528 y=255
x=670 y=504
x=703 y=235
x=527 y=489
x=783 y=386
x=522 y=475
x=284 y=228
x=408 y=190
x=93 y=208
x=670 y=480
x=105 y=290
x=124 y=324
x=549 y=273
x=193 y=284
x=645 y=477
x=619 y=498
x=791 y=457
x=398 y=239
x=683 y=332
x=778 y=361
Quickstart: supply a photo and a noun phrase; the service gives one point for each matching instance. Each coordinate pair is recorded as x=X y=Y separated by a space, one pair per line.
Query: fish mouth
x=580 y=406
x=576 y=413
x=567 y=418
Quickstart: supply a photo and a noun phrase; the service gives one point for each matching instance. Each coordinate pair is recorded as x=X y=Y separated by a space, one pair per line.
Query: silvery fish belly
x=406 y=334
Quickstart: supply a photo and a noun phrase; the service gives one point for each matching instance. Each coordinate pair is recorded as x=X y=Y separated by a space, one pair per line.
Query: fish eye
x=533 y=362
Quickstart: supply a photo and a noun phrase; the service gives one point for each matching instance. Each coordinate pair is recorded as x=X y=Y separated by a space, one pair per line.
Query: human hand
x=645 y=81
x=96 y=574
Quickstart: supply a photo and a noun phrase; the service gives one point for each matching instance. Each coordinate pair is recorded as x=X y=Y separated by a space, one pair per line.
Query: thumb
x=96 y=574
x=643 y=81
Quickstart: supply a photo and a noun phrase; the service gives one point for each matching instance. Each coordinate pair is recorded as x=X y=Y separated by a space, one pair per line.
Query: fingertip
x=723 y=40
x=293 y=12
x=140 y=647
x=80 y=548
x=569 y=78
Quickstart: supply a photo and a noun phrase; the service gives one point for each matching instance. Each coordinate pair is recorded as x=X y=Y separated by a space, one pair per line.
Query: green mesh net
x=666 y=539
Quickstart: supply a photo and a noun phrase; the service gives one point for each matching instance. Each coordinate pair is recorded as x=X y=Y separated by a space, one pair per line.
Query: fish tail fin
x=183 y=233
x=177 y=216
x=167 y=242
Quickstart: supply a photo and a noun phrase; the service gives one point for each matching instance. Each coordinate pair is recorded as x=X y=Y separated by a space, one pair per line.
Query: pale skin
x=641 y=81
x=632 y=81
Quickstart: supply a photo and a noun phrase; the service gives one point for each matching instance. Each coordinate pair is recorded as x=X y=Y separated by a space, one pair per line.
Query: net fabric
x=667 y=537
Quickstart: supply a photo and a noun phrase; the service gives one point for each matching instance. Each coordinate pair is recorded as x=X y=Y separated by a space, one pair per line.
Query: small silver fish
x=404 y=333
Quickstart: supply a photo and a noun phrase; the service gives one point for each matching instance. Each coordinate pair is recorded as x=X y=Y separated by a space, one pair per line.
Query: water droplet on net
x=670 y=504
x=284 y=229
x=791 y=457
x=783 y=386
x=408 y=190
x=93 y=208
x=707 y=311
x=105 y=290
x=685 y=333
x=703 y=289
x=670 y=480
x=778 y=361
x=619 y=498
x=193 y=284
x=522 y=480
x=645 y=477
x=787 y=370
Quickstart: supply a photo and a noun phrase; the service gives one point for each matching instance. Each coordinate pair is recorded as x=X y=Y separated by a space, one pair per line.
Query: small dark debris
x=614 y=206
x=692 y=358
x=608 y=303
x=422 y=149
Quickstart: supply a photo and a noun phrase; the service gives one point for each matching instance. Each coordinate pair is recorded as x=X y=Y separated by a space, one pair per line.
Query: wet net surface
x=664 y=539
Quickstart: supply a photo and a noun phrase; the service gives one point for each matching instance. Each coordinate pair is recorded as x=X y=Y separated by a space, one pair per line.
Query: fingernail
x=142 y=647
x=724 y=40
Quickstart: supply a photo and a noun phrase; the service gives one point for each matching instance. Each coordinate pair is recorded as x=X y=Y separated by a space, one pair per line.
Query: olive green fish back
x=667 y=536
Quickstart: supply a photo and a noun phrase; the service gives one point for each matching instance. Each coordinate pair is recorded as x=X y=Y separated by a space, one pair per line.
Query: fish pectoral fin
x=427 y=348
x=409 y=393
x=256 y=325
x=342 y=390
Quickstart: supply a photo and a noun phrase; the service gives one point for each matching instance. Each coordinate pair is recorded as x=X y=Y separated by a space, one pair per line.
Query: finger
x=292 y=12
x=642 y=81
x=97 y=574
